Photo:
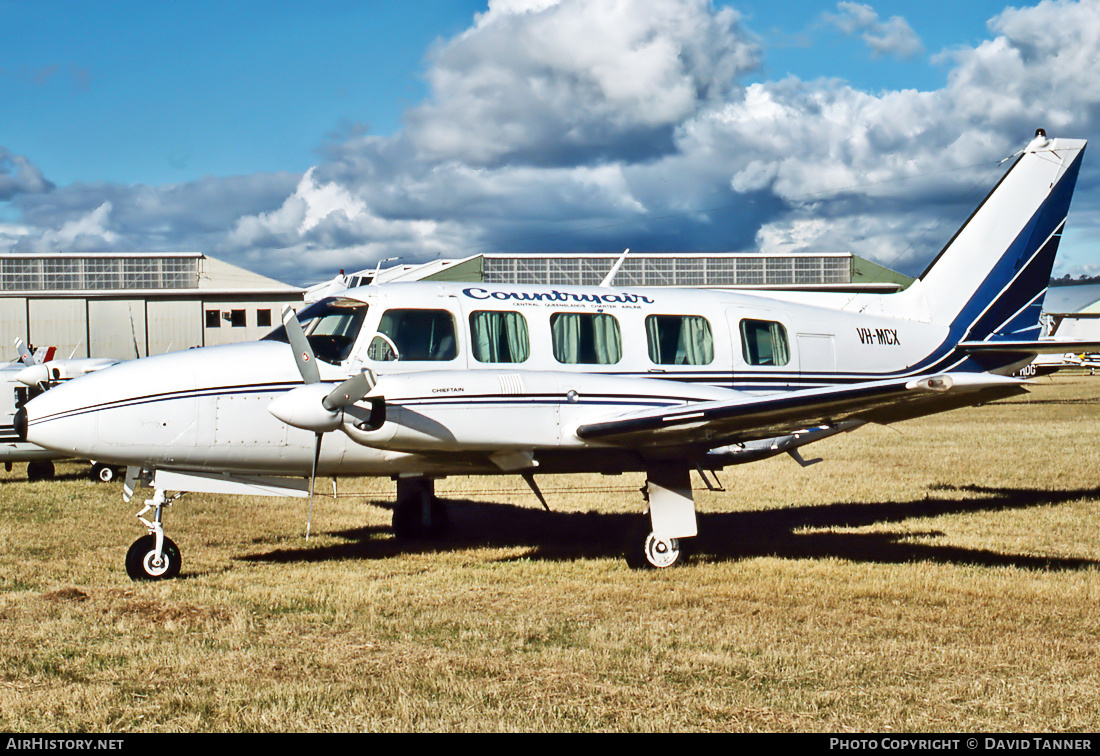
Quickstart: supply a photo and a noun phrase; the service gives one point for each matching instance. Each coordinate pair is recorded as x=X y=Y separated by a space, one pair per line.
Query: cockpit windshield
x=331 y=327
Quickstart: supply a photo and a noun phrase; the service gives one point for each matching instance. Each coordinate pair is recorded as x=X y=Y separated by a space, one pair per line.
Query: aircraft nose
x=51 y=420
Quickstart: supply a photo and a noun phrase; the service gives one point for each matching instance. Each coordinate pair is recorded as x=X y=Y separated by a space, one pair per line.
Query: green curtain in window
x=499 y=337
x=565 y=331
x=653 y=336
x=781 y=352
x=606 y=339
x=696 y=345
x=586 y=338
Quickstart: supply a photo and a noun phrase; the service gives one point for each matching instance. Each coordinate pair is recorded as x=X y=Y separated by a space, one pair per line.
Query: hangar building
x=839 y=271
x=133 y=305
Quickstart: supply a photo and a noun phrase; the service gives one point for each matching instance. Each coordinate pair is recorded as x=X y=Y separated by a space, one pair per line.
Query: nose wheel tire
x=142 y=562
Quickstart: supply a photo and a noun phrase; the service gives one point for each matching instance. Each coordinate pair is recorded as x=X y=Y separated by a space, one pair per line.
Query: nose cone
x=58 y=420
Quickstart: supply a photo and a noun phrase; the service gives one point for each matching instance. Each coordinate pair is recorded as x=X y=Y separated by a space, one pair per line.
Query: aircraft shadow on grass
x=722 y=536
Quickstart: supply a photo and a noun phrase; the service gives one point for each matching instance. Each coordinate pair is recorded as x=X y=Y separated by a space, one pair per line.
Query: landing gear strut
x=417 y=512
x=154 y=556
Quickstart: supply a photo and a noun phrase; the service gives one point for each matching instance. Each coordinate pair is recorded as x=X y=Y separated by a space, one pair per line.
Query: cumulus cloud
x=19 y=176
x=600 y=124
x=558 y=83
x=88 y=233
x=893 y=37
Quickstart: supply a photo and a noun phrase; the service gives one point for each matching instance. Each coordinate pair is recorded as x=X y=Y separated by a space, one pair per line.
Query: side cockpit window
x=414 y=335
x=764 y=342
x=331 y=326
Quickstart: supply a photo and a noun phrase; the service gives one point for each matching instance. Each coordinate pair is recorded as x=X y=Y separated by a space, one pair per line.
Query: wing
x=1043 y=346
x=754 y=417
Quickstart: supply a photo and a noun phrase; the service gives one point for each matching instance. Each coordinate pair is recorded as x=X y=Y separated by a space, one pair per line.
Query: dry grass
x=937 y=577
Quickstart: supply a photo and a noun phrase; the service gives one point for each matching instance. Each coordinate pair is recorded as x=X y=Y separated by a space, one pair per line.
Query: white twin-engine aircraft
x=422 y=380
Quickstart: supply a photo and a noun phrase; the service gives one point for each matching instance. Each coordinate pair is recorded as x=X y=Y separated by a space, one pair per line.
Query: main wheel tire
x=644 y=551
x=408 y=520
x=40 y=469
x=102 y=473
x=141 y=560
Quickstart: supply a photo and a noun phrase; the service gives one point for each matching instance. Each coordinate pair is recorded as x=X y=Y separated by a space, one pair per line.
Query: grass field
x=937 y=576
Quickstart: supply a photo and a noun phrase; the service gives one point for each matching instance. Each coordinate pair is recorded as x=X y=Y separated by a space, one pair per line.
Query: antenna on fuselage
x=606 y=282
x=378 y=268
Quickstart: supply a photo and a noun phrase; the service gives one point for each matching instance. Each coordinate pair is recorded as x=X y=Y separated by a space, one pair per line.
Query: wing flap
x=753 y=417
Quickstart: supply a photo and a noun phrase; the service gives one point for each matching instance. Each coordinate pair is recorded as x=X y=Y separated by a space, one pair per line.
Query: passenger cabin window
x=331 y=327
x=586 y=338
x=679 y=340
x=414 y=335
x=764 y=342
x=499 y=337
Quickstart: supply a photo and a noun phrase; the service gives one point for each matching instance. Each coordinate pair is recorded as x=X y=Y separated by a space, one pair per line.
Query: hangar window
x=416 y=335
x=679 y=340
x=499 y=337
x=764 y=342
x=213 y=319
x=237 y=318
x=263 y=318
x=331 y=327
x=586 y=338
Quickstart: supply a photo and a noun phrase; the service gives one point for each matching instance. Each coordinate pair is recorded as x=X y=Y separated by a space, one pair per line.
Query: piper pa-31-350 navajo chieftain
x=422 y=380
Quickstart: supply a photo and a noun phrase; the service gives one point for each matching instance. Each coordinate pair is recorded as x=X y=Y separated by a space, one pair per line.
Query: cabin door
x=816 y=359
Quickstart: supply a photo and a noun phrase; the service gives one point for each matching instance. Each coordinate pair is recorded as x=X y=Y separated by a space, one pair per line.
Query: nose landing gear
x=154 y=556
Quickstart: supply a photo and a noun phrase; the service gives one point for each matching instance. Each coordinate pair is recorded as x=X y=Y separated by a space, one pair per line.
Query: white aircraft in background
x=22 y=380
x=422 y=380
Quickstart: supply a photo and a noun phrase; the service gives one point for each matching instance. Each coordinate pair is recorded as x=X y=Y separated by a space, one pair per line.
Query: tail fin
x=988 y=283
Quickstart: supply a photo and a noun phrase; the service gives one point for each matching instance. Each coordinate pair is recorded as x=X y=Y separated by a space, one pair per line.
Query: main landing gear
x=658 y=539
x=417 y=513
x=154 y=556
x=101 y=473
x=645 y=551
x=40 y=469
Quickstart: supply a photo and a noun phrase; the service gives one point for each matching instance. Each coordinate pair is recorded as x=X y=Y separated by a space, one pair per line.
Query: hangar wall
x=134 y=305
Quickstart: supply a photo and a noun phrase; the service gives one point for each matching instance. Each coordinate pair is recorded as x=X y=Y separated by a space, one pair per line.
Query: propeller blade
x=313 y=481
x=303 y=352
x=350 y=391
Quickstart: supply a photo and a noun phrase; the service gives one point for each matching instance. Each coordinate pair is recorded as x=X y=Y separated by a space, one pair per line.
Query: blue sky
x=298 y=138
